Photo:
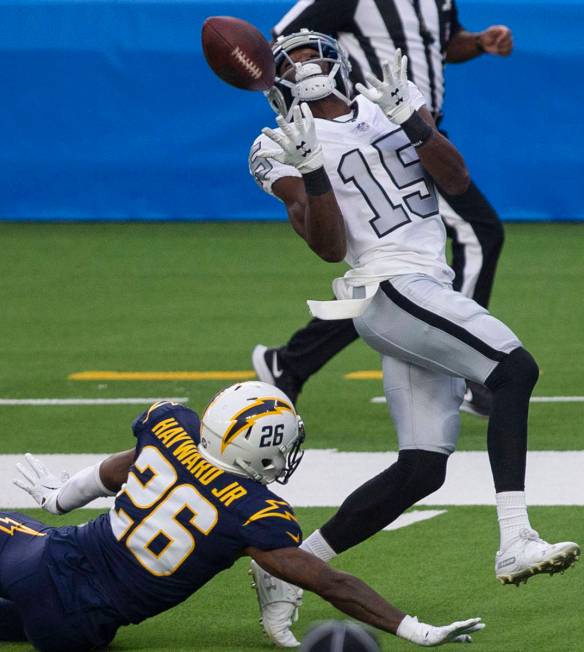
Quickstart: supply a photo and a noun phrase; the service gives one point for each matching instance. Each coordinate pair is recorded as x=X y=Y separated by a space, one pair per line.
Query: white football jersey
x=387 y=199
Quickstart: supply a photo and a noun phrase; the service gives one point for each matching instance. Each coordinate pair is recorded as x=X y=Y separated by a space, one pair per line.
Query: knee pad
x=518 y=368
x=422 y=471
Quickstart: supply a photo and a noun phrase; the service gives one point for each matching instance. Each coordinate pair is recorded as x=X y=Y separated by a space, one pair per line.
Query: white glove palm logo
x=297 y=141
x=392 y=94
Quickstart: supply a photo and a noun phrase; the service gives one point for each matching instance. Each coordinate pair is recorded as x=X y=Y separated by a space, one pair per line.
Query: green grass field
x=171 y=297
x=439 y=570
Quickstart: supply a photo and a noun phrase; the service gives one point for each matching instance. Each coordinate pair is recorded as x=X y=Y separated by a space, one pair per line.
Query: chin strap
x=250 y=472
x=312 y=84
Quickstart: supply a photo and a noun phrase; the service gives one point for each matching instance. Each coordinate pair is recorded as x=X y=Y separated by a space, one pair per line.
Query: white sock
x=317 y=546
x=512 y=515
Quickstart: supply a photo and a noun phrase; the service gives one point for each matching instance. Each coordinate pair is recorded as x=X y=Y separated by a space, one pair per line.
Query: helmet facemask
x=294 y=457
x=308 y=81
x=279 y=467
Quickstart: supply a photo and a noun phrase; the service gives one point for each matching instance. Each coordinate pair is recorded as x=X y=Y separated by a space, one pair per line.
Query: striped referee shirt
x=371 y=30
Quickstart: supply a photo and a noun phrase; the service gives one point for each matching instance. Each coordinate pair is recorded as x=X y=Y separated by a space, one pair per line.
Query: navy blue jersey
x=178 y=520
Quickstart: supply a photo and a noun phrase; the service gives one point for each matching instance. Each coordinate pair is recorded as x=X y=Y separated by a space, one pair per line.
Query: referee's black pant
x=477 y=239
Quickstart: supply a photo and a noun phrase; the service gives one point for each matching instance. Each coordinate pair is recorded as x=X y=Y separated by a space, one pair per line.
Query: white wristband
x=82 y=488
x=409 y=629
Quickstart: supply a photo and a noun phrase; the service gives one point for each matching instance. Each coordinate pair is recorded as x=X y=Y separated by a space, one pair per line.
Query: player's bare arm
x=114 y=470
x=344 y=591
x=464 y=45
x=437 y=154
x=291 y=191
x=316 y=218
x=312 y=207
x=355 y=598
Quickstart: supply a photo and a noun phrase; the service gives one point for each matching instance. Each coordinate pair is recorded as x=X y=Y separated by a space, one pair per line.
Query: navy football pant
x=47 y=595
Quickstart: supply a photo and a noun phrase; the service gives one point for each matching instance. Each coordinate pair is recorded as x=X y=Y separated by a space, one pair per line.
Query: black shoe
x=477 y=400
x=268 y=367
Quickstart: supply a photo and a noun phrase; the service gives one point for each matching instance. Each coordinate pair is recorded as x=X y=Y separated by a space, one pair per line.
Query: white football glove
x=393 y=93
x=298 y=142
x=429 y=636
x=42 y=485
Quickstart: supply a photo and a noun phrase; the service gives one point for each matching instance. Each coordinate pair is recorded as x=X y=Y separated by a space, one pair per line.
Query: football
x=238 y=53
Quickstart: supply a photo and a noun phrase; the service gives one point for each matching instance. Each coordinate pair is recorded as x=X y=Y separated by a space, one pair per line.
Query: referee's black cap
x=339 y=636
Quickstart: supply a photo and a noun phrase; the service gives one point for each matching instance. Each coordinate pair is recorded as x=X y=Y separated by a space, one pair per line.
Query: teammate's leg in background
x=477 y=240
x=309 y=349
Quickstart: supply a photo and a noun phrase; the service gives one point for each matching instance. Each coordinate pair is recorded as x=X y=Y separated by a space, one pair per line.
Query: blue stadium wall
x=108 y=111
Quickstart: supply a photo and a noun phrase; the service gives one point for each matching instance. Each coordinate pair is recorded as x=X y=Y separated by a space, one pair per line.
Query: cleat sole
x=559 y=563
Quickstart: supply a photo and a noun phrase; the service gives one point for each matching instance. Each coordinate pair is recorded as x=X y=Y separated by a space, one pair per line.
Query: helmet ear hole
x=266 y=462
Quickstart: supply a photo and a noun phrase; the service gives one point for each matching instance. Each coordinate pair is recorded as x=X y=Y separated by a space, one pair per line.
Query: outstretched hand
x=392 y=94
x=297 y=141
x=458 y=632
x=41 y=484
x=429 y=636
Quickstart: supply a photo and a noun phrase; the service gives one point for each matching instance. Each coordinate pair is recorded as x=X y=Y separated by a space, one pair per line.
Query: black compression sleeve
x=317 y=183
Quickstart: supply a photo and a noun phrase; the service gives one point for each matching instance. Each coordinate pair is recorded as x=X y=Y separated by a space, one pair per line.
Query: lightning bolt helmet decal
x=245 y=418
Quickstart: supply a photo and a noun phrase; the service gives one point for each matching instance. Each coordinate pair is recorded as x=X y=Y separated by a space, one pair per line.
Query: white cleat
x=529 y=555
x=279 y=602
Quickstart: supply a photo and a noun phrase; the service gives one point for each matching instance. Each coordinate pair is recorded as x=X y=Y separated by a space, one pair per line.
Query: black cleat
x=268 y=367
x=477 y=400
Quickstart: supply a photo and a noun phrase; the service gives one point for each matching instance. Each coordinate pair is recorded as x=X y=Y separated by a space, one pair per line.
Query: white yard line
x=86 y=401
x=534 y=399
x=326 y=477
x=415 y=516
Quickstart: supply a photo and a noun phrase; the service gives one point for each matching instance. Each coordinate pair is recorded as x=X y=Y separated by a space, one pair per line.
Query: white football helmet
x=326 y=74
x=252 y=429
